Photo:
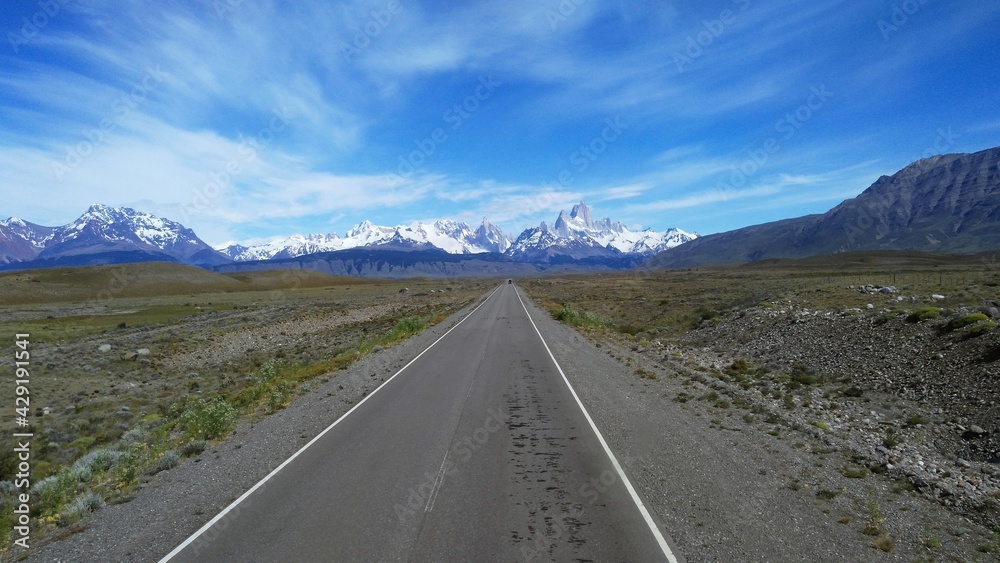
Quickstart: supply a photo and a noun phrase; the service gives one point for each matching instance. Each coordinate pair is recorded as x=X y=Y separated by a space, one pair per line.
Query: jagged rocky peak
x=581 y=213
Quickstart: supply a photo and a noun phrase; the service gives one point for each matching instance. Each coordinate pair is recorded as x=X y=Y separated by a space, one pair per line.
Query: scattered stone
x=104 y=348
x=404 y=290
x=143 y=351
x=129 y=356
x=937 y=297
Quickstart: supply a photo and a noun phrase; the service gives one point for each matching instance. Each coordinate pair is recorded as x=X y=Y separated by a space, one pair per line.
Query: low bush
x=168 y=460
x=980 y=329
x=209 y=418
x=924 y=314
x=962 y=322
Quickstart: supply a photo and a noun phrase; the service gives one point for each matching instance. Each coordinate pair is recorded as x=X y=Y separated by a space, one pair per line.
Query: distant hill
x=944 y=204
x=387 y=262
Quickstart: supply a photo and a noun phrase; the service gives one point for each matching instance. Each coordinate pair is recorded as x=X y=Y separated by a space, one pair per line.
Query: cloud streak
x=220 y=78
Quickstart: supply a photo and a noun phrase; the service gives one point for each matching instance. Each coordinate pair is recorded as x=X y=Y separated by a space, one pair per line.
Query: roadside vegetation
x=107 y=422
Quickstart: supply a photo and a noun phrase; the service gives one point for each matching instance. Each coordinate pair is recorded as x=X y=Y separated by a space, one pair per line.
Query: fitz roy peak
x=578 y=236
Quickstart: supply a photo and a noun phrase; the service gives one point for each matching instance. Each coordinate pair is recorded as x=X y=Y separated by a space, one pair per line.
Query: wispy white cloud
x=353 y=113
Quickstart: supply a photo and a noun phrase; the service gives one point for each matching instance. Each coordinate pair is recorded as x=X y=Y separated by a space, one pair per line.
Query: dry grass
x=670 y=303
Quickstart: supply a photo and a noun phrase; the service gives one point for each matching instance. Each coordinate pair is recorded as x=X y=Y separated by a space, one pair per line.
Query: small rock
x=937 y=297
x=964 y=463
x=142 y=351
x=104 y=348
x=129 y=356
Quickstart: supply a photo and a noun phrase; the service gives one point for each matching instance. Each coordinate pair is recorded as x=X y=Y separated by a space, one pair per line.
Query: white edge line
x=191 y=539
x=662 y=541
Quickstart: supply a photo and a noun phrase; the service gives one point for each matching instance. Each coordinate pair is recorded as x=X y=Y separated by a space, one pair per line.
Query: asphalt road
x=478 y=450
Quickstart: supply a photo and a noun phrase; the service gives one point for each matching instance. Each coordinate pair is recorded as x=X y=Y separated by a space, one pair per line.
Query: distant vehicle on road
x=510 y=281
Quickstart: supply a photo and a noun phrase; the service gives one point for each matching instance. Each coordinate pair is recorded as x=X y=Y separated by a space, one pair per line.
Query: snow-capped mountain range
x=575 y=235
x=105 y=231
x=451 y=236
x=111 y=235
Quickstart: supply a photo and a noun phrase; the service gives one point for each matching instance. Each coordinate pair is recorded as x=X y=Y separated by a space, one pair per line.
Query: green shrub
x=569 y=315
x=408 y=326
x=962 y=322
x=54 y=491
x=209 y=419
x=980 y=329
x=924 y=314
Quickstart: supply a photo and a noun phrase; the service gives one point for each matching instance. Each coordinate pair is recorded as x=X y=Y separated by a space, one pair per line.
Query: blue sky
x=247 y=119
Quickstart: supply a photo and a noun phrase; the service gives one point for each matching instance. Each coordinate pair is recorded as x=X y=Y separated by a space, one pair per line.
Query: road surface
x=478 y=450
